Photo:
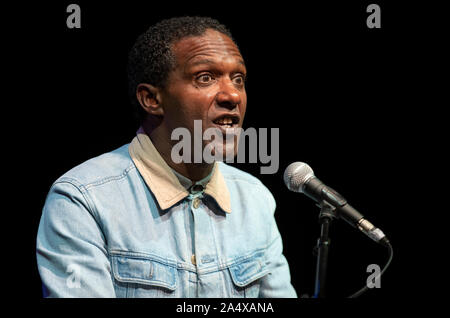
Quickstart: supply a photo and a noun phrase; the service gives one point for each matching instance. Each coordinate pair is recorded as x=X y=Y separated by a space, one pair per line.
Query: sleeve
x=71 y=250
x=277 y=283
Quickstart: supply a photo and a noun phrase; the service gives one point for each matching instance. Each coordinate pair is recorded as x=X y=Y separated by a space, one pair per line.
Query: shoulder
x=101 y=169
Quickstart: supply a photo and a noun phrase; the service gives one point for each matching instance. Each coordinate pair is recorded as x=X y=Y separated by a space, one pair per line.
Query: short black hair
x=151 y=59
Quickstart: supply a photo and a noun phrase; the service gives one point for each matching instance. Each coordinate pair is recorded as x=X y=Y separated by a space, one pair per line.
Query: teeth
x=225 y=121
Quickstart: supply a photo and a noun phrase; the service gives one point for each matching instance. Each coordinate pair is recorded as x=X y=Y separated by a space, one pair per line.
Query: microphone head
x=296 y=175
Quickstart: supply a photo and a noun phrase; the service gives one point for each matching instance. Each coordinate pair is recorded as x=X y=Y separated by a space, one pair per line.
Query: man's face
x=207 y=84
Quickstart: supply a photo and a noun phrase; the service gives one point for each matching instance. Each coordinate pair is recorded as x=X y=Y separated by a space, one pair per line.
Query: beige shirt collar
x=188 y=184
x=165 y=186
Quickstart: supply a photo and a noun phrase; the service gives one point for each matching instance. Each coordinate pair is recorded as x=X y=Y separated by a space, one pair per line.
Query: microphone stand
x=326 y=216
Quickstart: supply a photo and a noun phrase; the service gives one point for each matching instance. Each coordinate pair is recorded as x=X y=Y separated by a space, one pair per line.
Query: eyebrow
x=208 y=61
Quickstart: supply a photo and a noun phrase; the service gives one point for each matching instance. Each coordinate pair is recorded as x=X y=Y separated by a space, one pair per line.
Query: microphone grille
x=296 y=175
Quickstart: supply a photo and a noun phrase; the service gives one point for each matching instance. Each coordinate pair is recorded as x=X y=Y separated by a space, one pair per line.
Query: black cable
x=391 y=255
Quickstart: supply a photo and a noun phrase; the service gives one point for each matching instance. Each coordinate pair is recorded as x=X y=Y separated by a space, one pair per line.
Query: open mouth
x=227 y=121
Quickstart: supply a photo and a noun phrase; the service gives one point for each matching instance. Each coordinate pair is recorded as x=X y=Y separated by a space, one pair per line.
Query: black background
x=348 y=100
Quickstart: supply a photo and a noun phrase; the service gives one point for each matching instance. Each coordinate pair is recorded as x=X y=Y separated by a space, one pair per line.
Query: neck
x=162 y=143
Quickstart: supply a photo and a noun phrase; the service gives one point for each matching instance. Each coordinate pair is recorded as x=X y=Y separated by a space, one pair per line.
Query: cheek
x=186 y=105
x=243 y=107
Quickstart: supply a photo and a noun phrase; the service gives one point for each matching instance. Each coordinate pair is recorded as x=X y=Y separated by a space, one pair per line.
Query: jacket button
x=193 y=260
x=196 y=203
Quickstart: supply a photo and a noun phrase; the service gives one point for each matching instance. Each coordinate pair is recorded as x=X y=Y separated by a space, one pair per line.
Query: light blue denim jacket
x=103 y=233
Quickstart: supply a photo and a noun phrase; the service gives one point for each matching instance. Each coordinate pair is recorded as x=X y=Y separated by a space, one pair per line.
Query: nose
x=228 y=97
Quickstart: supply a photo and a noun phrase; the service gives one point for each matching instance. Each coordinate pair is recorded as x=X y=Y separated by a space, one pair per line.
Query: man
x=137 y=223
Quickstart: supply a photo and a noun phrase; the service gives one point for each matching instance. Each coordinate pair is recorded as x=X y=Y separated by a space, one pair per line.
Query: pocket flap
x=144 y=270
x=248 y=271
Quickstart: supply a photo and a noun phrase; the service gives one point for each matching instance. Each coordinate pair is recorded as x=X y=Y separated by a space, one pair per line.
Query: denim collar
x=162 y=181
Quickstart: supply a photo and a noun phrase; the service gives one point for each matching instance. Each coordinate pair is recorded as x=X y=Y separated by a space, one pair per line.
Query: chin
x=223 y=151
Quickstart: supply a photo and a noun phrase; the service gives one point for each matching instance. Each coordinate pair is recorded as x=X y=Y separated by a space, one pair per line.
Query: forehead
x=211 y=44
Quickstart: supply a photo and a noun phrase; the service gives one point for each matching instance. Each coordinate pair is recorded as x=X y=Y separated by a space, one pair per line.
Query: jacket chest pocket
x=143 y=276
x=246 y=277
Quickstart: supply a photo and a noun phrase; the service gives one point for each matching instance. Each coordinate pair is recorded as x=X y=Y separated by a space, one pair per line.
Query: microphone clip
x=326 y=211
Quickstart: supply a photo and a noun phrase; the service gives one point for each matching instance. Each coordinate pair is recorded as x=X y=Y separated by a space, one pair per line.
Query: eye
x=239 y=79
x=204 y=78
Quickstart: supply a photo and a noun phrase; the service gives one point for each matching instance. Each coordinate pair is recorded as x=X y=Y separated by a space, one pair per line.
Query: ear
x=149 y=97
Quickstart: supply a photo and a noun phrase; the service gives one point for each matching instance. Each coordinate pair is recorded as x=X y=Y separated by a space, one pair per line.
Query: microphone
x=299 y=177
